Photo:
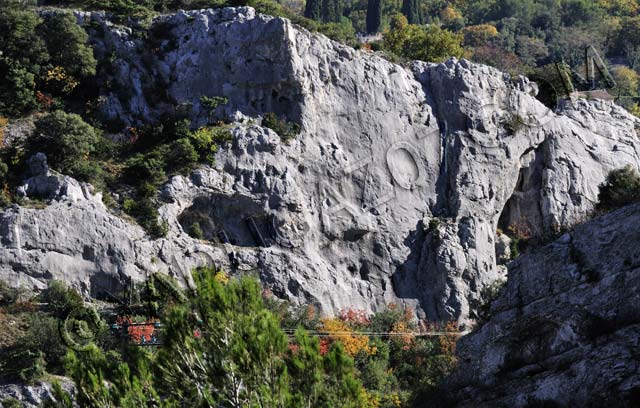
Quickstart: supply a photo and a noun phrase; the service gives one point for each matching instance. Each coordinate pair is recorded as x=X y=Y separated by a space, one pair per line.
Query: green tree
x=626 y=81
x=431 y=44
x=17 y=89
x=22 y=55
x=327 y=11
x=106 y=380
x=622 y=187
x=60 y=299
x=238 y=361
x=43 y=337
x=67 y=44
x=67 y=140
x=322 y=382
x=182 y=156
x=313 y=9
x=411 y=9
x=19 y=41
x=307 y=371
x=345 y=387
x=332 y=11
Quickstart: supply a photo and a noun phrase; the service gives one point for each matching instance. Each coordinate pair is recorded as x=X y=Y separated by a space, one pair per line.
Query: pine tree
x=322 y=381
x=411 y=9
x=130 y=383
x=374 y=16
x=237 y=361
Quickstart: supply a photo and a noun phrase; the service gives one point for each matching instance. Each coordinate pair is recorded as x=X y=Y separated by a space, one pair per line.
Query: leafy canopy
x=430 y=44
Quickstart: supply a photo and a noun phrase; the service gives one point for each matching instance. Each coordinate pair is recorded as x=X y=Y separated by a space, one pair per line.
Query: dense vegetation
x=51 y=77
x=228 y=343
x=622 y=187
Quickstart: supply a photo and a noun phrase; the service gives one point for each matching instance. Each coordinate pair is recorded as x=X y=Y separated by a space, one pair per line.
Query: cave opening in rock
x=522 y=213
x=237 y=220
x=521 y=217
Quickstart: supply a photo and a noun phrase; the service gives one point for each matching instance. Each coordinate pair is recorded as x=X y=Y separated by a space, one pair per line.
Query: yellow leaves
x=404 y=330
x=369 y=399
x=626 y=80
x=377 y=399
x=58 y=78
x=3 y=124
x=56 y=74
x=620 y=7
x=221 y=277
x=393 y=399
x=634 y=109
x=479 y=35
x=448 y=342
x=448 y=14
x=353 y=343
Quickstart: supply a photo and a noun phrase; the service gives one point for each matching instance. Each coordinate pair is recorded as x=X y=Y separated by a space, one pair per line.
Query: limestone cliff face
x=392 y=192
x=565 y=329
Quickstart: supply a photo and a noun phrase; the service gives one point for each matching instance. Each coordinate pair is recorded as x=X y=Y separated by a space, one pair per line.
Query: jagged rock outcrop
x=565 y=329
x=32 y=396
x=392 y=192
x=44 y=184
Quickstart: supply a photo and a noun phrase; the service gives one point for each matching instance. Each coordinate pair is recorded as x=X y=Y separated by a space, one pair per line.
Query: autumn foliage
x=354 y=344
x=138 y=333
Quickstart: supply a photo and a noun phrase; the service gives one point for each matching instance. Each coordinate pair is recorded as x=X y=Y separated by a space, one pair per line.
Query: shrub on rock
x=622 y=187
x=68 y=141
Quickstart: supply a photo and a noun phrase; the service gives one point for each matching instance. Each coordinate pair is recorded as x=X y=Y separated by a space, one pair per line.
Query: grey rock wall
x=392 y=192
x=564 y=330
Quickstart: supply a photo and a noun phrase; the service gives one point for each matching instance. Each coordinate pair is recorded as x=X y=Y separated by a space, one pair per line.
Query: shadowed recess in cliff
x=236 y=220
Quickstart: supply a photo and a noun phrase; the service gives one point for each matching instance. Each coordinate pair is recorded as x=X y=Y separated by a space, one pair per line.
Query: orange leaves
x=354 y=317
x=448 y=342
x=353 y=343
x=134 y=134
x=324 y=346
x=311 y=312
x=342 y=329
x=138 y=332
x=45 y=101
x=293 y=348
x=403 y=328
x=520 y=229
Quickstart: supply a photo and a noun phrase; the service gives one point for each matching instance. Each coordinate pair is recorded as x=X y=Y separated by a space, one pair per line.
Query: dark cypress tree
x=313 y=9
x=338 y=10
x=327 y=11
x=374 y=16
x=331 y=11
x=411 y=10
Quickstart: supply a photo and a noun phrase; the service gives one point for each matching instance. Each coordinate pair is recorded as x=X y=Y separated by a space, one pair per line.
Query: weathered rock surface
x=32 y=396
x=565 y=330
x=45 y=184
x=392 y=192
